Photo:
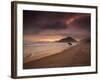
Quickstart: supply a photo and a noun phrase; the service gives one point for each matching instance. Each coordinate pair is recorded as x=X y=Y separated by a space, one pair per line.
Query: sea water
x=39 y=50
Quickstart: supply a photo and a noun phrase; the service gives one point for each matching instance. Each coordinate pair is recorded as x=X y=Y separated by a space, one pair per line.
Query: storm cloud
x=47 y=23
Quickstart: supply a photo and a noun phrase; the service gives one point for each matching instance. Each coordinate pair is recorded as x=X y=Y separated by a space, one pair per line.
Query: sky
x=53 y=26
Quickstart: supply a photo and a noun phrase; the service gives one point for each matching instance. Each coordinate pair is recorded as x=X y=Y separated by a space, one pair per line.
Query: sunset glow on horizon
x=42 y=38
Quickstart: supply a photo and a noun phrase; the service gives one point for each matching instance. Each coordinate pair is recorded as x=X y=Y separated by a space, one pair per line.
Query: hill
x=67 y=39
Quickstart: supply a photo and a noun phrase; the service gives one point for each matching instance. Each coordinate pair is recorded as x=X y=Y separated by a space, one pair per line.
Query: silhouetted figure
x=70 y=43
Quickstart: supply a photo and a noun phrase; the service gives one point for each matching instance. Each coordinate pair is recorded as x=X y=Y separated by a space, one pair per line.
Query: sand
x=78 y=55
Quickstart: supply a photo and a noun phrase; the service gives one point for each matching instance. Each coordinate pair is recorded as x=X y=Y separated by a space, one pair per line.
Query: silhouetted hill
x=67 y=39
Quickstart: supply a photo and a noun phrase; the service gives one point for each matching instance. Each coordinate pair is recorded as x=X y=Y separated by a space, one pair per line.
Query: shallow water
x=39 y=50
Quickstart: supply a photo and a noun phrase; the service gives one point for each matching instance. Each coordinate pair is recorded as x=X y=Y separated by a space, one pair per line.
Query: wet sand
x=78 y=55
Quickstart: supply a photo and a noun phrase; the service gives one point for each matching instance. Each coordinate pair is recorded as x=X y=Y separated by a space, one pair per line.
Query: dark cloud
x=35 y=22
x=83 y=22
x=56 y=25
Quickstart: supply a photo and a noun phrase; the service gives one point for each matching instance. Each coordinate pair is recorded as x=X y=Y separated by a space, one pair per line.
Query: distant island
x=67 y=39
